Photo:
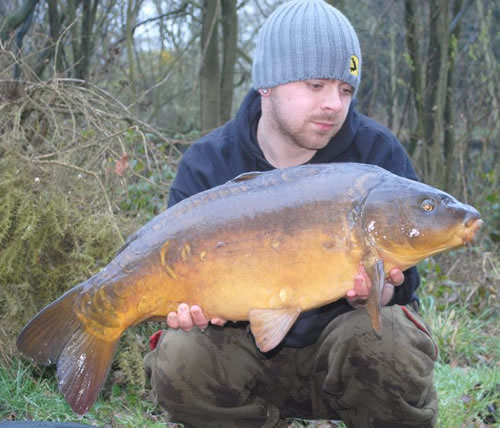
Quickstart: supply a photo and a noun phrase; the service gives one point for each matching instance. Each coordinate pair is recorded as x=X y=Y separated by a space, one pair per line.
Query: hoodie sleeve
x=387 y=152
x=201 y=167
x=190 y=178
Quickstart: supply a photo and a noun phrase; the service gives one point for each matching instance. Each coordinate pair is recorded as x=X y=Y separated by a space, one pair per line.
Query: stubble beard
x=304 y=136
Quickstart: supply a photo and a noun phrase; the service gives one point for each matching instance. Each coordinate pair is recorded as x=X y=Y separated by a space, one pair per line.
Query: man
x=306 y=71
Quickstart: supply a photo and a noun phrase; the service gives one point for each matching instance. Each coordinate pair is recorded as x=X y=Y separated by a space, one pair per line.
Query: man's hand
x=358 y=295
x=188 y=317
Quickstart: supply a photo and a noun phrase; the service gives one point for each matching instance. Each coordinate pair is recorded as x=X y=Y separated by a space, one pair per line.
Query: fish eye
x=427 y=205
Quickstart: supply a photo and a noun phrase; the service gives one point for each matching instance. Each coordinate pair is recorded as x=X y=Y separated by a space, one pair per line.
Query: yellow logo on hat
x=354 y=65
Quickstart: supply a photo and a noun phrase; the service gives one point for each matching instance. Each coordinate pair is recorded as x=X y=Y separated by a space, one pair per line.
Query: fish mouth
x=471 y=228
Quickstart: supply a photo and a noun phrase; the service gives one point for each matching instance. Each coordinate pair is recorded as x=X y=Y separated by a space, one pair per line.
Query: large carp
x=263 y=247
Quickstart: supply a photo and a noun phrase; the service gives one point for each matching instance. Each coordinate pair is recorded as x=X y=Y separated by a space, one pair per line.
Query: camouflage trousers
x=218 y=378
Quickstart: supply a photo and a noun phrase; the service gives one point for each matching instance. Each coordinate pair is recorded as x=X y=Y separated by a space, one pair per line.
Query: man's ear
x=265 y=92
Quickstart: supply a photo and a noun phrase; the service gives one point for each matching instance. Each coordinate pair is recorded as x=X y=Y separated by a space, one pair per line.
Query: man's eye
x=314 y=85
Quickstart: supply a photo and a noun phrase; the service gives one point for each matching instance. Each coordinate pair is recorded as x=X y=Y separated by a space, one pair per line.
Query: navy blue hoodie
x=232 y=149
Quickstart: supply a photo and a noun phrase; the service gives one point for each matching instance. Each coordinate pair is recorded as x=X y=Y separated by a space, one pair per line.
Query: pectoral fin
x=269 y=326
x=373 y=305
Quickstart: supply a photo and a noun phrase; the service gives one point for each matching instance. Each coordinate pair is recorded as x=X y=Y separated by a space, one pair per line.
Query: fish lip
x=471 y=230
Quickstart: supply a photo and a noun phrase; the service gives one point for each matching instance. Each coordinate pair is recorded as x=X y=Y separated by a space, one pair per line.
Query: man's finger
x=198 y=317
x=396 y=276
x=218 y=321
x=361 y=284
x=172 y=320
x=351 y=293
x=184 y=317
x=387 y=293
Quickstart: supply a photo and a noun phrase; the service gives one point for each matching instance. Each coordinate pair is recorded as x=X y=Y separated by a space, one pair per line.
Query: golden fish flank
x=262 y=248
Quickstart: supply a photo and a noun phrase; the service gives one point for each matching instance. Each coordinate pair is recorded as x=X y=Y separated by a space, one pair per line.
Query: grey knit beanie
x=306 y=39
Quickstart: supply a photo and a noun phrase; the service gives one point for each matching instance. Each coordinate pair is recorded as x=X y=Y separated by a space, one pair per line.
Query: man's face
x=310 y=112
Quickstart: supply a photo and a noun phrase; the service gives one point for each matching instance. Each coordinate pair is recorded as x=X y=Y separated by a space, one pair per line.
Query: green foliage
x=46 y=243
x=27 y=392
x=468 y=277
x=146 y=198
x=491 y=206
x=130 y=359
x=468 y=397
x=68 y=155
x=464 y=339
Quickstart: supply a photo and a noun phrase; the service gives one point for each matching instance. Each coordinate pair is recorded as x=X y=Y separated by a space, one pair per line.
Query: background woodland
x=99 y=99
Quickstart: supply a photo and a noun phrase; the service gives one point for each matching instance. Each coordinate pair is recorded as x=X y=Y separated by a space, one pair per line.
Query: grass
x=467 y=377
x=30 y=393
x=468 y=397
x=467 y=374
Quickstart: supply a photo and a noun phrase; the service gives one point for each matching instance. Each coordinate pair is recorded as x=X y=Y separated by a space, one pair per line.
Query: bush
x=74 y=165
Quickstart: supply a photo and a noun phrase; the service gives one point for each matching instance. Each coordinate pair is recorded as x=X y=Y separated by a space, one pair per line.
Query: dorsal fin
x=246 y=176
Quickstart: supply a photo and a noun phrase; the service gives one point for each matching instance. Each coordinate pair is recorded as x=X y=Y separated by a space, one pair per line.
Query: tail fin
x=56 y=336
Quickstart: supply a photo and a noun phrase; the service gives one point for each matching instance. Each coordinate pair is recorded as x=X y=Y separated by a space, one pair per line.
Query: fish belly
x=231 y=274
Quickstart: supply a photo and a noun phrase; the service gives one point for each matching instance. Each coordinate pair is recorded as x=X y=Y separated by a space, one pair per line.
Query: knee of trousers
x=199 y=367
x=356 y=367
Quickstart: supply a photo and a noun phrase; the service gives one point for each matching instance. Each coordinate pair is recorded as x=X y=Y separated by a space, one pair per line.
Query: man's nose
x=332 y=100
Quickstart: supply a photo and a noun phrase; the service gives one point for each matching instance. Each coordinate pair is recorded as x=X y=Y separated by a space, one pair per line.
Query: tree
x=218 y=56
x=449 y=142
x=180 y=63
x=230 y=45
x=79 y=16
x=84 y=44
x=210 y=69
x=16 y=19
x=22 y=18
x=432 y=78
x=133 y=7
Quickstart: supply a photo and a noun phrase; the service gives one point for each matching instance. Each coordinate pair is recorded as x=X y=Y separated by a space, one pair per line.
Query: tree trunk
x=89 y=10
x=55 y=31
x=430 y=88
x=489 y=59
x=436 y=92
x=449 y=110
x=417 y=78
x=23 y=18
x=230 y=41
x=130 y=22
x=393 y=90
x=53 y=48
x=210 y=70
x=75 y=33
x=11 y=22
